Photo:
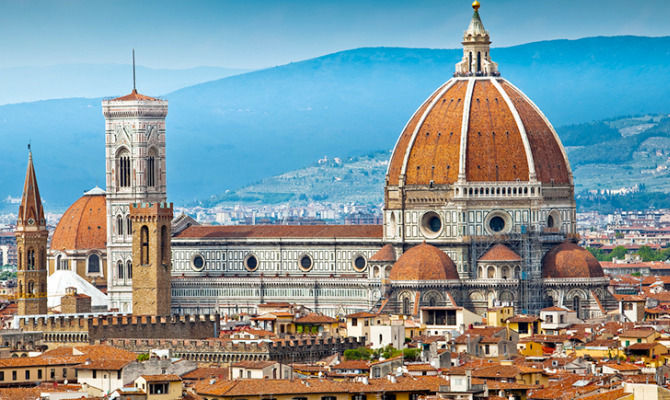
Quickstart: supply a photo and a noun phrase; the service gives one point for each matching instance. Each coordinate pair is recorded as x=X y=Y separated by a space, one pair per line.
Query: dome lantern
x=476 y=46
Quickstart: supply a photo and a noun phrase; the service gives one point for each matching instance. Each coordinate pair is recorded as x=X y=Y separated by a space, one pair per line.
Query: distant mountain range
x=227 y=133
x=633 y=153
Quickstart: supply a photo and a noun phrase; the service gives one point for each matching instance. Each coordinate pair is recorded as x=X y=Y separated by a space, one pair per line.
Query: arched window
x=31 y=287
x=144 y=245
x=479 y=61
x=58 y=261
x=405 y=306
x=20 y=259
x=129 y=269
x=129 y=226
x=165 y=245
x=31 y=259
x=119 y=225
x=151 y=168
x=470 y=65
x=123 y=169
x=490 y=272
x=119 y=270
x=550 y=222
x=93 y=264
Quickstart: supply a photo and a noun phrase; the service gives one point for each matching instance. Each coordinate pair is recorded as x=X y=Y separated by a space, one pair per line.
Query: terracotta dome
x=84 y=225
x=568 y=260
x=423 y=263
x=484 y=128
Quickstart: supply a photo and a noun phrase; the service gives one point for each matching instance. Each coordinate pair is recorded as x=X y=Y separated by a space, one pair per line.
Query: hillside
x=646 y=163
x=224 y=134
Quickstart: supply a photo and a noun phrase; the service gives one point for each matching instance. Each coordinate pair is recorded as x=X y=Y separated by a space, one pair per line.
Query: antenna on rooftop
x=134 y=86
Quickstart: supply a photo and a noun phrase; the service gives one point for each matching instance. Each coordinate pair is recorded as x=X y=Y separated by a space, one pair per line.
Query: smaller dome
x=568 y=260
x=501 y=253
x=84 y=225
x=423 y=263
x=386 y=253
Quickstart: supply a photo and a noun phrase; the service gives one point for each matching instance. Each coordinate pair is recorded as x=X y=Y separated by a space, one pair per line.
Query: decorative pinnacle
x=475 y=5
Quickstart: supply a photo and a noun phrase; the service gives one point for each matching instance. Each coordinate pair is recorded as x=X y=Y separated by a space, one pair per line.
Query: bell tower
x=152 y=258
x=31 y=247
x=135 y=173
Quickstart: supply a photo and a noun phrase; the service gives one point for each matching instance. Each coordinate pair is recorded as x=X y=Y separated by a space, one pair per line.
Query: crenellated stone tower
x=135 y=166
x=152 y=258
x=31 y=244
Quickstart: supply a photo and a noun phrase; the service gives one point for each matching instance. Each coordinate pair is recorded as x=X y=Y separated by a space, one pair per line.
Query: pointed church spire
x=476 y=46
x=31 y=212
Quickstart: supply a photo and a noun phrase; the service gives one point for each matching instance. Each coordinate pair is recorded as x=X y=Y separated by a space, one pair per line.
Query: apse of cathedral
x=479 y=210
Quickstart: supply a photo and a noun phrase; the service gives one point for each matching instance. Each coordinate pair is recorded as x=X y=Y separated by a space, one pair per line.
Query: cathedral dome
x=568 y=260
x=480 y=130
x=478 y=127
x=84 y=225
x=423 y=263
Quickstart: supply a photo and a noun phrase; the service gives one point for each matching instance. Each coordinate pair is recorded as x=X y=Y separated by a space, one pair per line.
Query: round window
x=431 y=224
x=251 y=263
x=360 y=263
x=497 y=224
x=197 y=263
x=306 y=263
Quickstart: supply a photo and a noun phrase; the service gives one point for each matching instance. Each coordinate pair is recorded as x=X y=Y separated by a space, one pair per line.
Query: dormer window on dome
x=476 y=46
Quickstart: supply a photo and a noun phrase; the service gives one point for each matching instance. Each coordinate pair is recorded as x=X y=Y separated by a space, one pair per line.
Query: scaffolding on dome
x=528 y=245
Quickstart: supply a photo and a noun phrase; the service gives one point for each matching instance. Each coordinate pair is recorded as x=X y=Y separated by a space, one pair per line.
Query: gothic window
x=151 y=168
x=550 y=222
x=129 y=269
x=58 y=261
x=123 y=169
x=20 y=259
x=129 y=226
x=479 y=61
x=31 y=287
x=31 y=259
x=119 y=270
x=93 y=264
x=165 y=258
x=119 y=225
x=405 y=306
x=517 y=272
x=144 y=245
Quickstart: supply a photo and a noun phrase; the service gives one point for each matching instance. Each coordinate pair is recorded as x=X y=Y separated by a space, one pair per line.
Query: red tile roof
x=135 y=96
x=83 y=226
x=424 y=262
x=386 y=253
x=282 y=231
x=500 y=252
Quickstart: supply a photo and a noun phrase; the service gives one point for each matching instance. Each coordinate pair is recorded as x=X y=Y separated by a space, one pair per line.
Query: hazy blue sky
x=256 y=33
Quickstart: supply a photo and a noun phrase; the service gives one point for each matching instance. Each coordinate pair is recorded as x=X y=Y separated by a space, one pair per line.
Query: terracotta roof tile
x=423 y=262
x=386 y=253
x=83 y=226
x=500 y=252
x=135 y=96
x=282 y=231
x=315 y=318
x=568 y=260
